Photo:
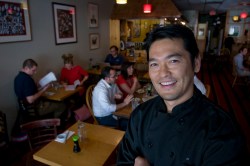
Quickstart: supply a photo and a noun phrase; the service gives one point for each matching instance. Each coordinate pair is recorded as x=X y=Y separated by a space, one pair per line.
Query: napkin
x=64 y=136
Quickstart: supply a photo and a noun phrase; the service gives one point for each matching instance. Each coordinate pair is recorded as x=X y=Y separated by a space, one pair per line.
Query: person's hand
x=140 y=161
x=45 y=87
x=128 y=99
x=118 y=96
x=135 y=79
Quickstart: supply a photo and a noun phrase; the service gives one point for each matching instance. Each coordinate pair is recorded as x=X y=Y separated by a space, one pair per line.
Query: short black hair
x=174 y=31
x=115 y=47
x=106 y=71
x=29 y=63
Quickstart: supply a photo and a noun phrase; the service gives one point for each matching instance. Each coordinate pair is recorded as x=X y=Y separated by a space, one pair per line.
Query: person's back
x=229 y=41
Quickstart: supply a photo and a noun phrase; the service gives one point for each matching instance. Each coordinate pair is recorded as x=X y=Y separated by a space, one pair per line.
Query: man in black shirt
x=27 y=92
x=180 y=126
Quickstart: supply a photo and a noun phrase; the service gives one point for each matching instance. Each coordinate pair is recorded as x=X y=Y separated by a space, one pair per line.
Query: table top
x=60 y=93
x=96 y=148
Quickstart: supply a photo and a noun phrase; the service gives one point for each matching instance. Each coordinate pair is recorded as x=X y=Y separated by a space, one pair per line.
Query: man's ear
x=197 y=64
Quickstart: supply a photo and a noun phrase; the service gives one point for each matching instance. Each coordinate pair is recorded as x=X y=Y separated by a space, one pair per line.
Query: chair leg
x=235 y=78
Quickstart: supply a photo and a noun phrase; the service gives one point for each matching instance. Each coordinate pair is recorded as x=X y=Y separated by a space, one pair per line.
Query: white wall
x=42 y=47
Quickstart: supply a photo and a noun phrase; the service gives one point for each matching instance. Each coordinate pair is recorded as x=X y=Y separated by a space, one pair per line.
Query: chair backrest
x=27 y=111
x=4 y=138
x=41 y=132
x=225 y=52
x=234 y=71
x=208 y=89
x=89 y=94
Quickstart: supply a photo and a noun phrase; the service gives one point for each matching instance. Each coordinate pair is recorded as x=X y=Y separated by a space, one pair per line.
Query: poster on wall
x=136 y=28
x=64 y=23
x=234 y=30
x=14 y=21
x=92 y=15
x=94 y=41
x=202 y=30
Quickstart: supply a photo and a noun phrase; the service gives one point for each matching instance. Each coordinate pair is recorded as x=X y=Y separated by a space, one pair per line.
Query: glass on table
x=81 y=130
x=135 y=102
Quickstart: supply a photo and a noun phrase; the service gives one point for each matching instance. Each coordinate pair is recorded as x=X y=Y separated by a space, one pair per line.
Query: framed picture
x=234 y=30
x=94 y=41
x=202 y=30
x=64 y=23
x=136 y=28
x=14 y=21
x=93 y=15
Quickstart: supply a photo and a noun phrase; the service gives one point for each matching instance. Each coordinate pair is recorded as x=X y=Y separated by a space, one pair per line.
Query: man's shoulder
x=21 y=75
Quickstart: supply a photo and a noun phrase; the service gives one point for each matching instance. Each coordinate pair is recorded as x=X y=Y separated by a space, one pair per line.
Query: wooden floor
x=234 y=100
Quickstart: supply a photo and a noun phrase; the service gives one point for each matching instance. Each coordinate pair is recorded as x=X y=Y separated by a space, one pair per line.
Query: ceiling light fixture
x=121 y=1
x=212 y=12
x=243 y=15
x=147 y=7
x=236 y=18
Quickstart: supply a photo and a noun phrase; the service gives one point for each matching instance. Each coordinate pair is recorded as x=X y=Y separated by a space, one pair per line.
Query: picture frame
x=16 y=21
x=93 y=18
x=64 y=17
x=234 y=30
x=202 y=31
x=94 y=41
x=136 y=28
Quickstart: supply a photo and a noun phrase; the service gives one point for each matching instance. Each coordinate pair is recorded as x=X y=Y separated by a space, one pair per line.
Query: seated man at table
x=180 y=126
x=238 y=61
x=114 y=59
x=104 y=98
x=27 y=92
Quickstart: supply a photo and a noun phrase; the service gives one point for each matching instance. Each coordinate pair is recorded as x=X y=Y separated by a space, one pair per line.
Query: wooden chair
x=27 y=112
x=238 y=80
x=208 y=89
x=41 y=132
x=89 y=101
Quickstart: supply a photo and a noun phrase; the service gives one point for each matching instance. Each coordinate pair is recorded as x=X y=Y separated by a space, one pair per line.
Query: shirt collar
x=105 y=83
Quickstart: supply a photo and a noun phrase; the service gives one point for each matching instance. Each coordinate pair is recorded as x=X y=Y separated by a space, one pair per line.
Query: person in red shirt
x=127 y=82
x=70 y=73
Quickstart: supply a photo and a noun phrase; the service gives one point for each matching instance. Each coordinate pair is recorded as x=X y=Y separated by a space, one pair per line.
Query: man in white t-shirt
x=104 y=98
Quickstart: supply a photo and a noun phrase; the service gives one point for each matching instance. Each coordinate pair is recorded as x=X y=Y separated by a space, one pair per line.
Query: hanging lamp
x=236 y=18
x=147 y=8
x=121 y=1
x=243 y=15
x=212 y=12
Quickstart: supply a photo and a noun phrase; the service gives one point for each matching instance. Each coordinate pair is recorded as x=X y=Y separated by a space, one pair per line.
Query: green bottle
x=76 y=147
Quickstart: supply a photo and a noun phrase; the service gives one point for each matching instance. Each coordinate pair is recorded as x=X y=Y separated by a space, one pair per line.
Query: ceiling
x=204 y=6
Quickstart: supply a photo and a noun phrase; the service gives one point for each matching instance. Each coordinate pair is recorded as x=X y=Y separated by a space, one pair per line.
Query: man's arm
x=128 y=148
x=125 y=102
x=33 y=98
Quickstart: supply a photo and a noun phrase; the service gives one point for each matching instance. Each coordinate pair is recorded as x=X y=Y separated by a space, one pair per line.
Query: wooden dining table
x=98 y=146
x=127 y=110
x=60 y=93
